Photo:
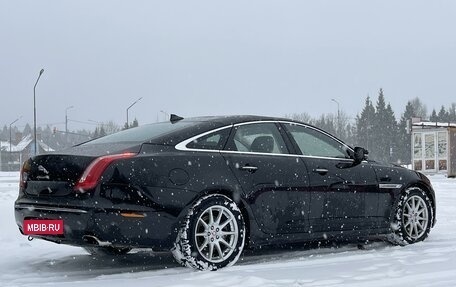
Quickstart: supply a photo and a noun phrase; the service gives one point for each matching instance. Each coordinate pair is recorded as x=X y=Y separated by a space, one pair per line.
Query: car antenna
x=175 y=118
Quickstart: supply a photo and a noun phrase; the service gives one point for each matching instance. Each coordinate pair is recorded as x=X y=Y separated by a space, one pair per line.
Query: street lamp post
x=130 y=107
x=34 y=111
x=10 y=139
x=166 y=114
x=66 y=118
x=66 y=124
x=338 y=116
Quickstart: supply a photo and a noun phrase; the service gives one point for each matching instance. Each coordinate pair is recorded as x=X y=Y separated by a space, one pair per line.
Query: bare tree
x=302 y=117
x=110 y=127
x=419 y=108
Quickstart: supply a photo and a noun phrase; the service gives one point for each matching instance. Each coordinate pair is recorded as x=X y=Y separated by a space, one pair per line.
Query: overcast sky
x=214 y=58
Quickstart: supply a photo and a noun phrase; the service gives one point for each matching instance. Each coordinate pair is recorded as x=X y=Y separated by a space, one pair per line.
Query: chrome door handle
x=321 y=171
x=249 y=168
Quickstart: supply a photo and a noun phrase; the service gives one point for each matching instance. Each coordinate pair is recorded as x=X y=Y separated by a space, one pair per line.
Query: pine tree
x=96 y=133
x=364 y=125
x=377 y=130
x=443 y=116
x=452 y=113
x=390 y=135
x=404 y=135
x=4 y=134
x=433 y=117
x=27 y=130
x=102 y=131
x=131 y=125
x=135 y=123
x=379 y=151
x=385 y=127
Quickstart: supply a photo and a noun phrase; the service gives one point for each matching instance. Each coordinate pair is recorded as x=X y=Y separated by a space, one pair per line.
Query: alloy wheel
x=415 y=217
x=216 y=233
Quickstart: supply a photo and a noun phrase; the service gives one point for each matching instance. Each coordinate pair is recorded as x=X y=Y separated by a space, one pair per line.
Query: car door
x=275 y=183
x=344 y=194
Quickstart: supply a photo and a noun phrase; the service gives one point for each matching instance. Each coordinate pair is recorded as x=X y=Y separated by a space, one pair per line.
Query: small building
x=12 y=159
x=434 y=148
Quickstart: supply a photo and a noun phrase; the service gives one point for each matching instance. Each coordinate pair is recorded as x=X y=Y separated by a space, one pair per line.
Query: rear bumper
x=155 y=229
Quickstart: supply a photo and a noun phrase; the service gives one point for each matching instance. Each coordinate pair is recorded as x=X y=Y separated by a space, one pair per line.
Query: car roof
x=179 y=130
x=203 y=124
x=235 y=119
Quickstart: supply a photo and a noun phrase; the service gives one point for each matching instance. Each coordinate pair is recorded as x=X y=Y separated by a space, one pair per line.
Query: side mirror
x=360 y=154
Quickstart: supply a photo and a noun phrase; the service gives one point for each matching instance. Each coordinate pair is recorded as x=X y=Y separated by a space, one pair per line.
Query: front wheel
x=412 y=218
x=212 y=234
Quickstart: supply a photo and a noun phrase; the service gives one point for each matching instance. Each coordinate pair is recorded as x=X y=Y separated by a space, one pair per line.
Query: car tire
x=412 y=217
x=211 y=235
x=107 y=251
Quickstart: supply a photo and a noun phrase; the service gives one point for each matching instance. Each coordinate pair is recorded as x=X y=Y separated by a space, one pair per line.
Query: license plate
x=43 y=226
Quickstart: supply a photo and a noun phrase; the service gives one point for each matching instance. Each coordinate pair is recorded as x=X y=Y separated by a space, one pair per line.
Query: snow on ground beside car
x=41 y=263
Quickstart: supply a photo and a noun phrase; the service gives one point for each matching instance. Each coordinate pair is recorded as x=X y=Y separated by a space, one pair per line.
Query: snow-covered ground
x=40 y=263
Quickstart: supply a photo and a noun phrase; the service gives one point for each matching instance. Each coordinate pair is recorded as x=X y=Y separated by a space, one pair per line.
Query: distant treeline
x=60 y=139
x=377 y=129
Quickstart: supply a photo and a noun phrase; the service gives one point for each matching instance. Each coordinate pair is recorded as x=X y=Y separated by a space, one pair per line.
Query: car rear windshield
x=142 y=133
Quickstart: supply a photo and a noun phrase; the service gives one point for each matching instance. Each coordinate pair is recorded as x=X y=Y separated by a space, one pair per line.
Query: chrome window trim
x=389 y=185
x=182 y=146
x=284 y=154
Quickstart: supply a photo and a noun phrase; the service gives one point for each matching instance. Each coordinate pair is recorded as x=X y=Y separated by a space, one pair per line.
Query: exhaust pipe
x=94 y=240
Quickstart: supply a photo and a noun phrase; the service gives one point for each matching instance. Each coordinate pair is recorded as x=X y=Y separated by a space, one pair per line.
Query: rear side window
x=257 y=138
x=212 y=141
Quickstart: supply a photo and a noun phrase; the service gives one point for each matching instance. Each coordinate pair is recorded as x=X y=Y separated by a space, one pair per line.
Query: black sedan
x=205 y=188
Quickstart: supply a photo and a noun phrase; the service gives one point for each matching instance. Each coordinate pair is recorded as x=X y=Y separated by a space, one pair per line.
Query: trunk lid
x=54 y=175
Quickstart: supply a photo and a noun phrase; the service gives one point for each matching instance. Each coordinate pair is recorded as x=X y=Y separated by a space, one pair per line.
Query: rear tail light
x=25 y=169
x=93 y=172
